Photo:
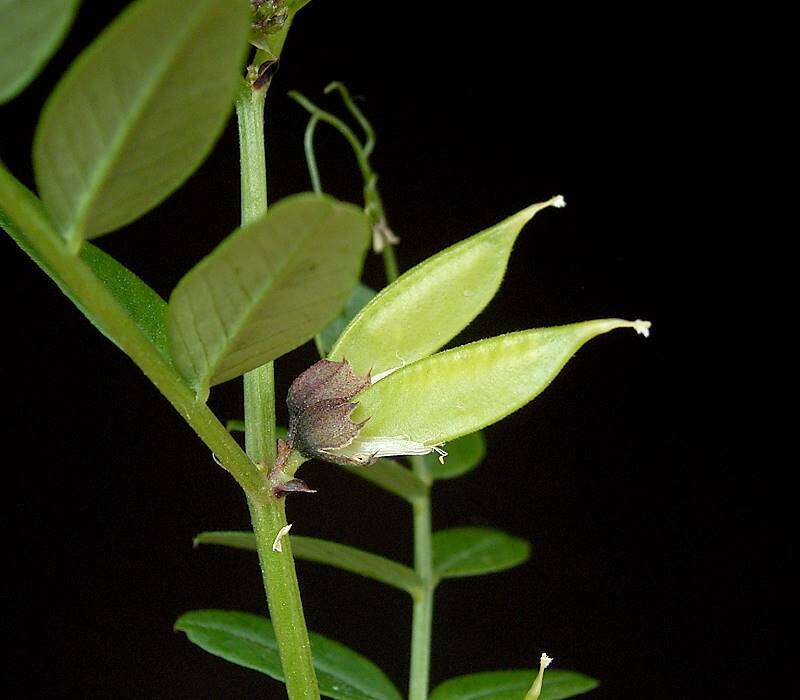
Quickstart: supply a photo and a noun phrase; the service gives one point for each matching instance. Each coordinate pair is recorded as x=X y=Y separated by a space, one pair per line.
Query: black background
x=645 y=569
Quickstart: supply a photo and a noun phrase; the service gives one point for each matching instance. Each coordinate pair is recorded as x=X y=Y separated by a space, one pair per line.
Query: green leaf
x=268 y=288
x=143 y=305
x=431 y=303
x=472 y=551
x=321 y=551
x=30 y=32
x=513 y=685
x=237 y=539
x=459 y=391
x=147 y=309
x=137 y=112
x=249 y=641
x=328 y=335
x=393 y=477
x=463 y=455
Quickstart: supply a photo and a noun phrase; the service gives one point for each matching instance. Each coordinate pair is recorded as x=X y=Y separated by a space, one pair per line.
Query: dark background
x=647 y=567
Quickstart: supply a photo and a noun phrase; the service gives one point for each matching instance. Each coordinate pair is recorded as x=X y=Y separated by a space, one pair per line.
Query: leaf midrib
x=363 y=563
x=120 y=140
x=490 y=540
x=280 y=271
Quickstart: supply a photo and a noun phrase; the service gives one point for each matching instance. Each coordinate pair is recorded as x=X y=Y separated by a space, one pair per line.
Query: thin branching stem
x=372 y=199
x=341 y=127
x=311 y=158
x=369 y=132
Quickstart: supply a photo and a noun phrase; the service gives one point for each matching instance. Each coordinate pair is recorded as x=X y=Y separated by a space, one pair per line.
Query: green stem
x=252 y=151
x=283 y=594
x=390 y=263
x=266 y=511
x=36 y=233
x=423 y=603
x=259 y=384
x=311 y=159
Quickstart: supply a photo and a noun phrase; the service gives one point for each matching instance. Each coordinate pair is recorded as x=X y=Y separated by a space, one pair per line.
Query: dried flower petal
x=370 y=449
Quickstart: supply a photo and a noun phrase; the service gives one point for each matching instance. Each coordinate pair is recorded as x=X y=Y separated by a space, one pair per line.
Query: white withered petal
x=368 y=450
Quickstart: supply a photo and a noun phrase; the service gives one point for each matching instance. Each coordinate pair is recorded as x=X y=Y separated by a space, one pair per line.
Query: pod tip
x=642 y=327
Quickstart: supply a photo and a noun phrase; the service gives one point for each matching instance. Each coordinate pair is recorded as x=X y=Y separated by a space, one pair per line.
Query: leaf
x=472 y=551
x=321 y=551
x=463 y=455
x=237 y=539
x=146 y=308
x=328 y=335
x=513 y=685
x=393 y=477
x=459 y=391
x=143 y=305
x=249 y=641
x=30 y=32
x=266 y=289
x=431 y=303
x=137 y=112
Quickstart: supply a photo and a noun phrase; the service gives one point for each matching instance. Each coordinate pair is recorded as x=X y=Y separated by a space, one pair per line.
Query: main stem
x=423 y=604
x=267 y=512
